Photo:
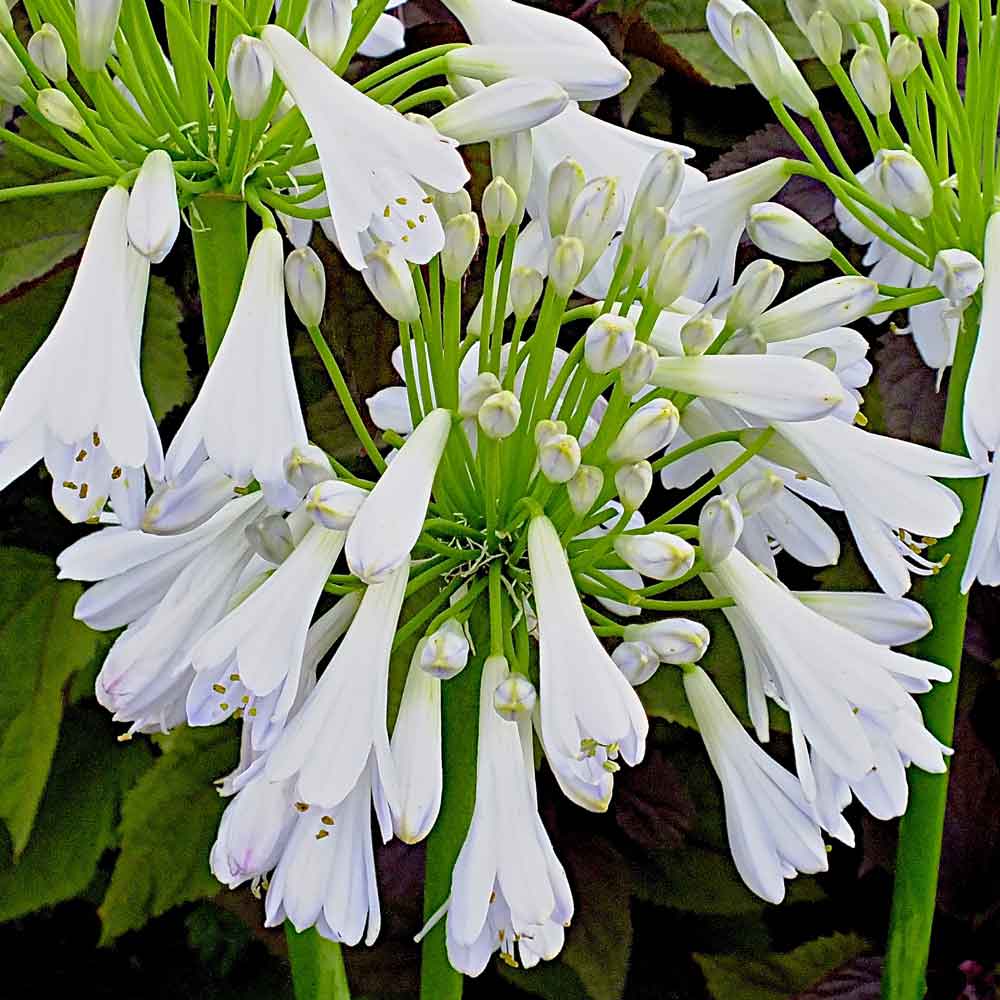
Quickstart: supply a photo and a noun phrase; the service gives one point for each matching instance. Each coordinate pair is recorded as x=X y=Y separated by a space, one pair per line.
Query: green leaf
x=777 y=976
x=77 y=817
x=41 y=647
x=644 y=75
x=169 y=822
x=164 y=364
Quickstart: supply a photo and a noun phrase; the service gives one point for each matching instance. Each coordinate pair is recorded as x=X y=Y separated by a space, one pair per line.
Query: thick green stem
x=921 y=828
x=220 y=255
x=318 y=971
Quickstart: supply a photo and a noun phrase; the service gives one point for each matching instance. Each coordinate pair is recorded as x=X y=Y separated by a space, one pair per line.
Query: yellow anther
x=327 y=820
x=302 y=806
x=322 y=834
x=219 y=688
x=81 y=455
x=84 y=490
x=95 y=437
x=116 y=472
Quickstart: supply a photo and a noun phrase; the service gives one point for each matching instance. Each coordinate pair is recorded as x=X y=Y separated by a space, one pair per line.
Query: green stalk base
x=318 y=971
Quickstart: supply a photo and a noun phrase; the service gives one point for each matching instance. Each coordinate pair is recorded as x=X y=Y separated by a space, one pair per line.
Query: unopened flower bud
x=699 y=332
x=633 y=483
x=12 y=71
x=595 y=218
x=756 y=288
x=328 y=26
x=649 y=430
x=476 y=391
x=448 y=204
x=658 y=555
x=755 y=495
x=510 y=158
x=638 y=368
x=904 y=57
x=514 y=698
x=499 y=206
x=96 y=24
x=559 y=458
x=250 y=73
x=584 y=488
x=779 y=231
x=646 y=235
x=547 y=429
x=305 y=285
x=507 y=107
x=853 y=11
x=682 y=261
x=660 y=184
x=388 y=278
x=566 y=181
x=174 y=507
x=720 y=525
x=499 y=415
x=673 y=640
x=921 y=18
x=271 y=538
x=525 y=290
x=608 y=343
x=565 y=264
x=831 y=303
x=48 y=53
x=957 y=275
x=905 y=182
x=154 y=216
x=825 y=37
x=637 y=661
x=870 y=77
x=306 y=467
x=57 y=108
x=334 y=504
x=461 y=240
x=445 y=652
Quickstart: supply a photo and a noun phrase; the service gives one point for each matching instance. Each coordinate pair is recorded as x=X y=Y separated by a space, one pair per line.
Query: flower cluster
x=557 y=468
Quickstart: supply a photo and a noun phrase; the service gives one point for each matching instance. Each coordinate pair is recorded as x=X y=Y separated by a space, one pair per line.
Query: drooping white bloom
x=373 y=159
x=888 y=621
x=387 y=36
x=508 y=889
x=773 y=833
x=79 y=403
x=583 y=695
x=96 y=24
x=390 y=520
x=248 y=434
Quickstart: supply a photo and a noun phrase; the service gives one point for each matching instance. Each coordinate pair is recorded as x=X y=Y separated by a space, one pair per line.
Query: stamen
x=302 y=806
x=116 y=472
x=96 y=438
x=81 y=455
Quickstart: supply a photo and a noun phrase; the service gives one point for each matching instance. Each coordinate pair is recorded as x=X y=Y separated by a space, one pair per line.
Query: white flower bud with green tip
x=48 y=53
x=499 y=206
x=445 y=652
x=853 y=11
x=957 y=275
x=660 y=183
x=699 y=332
x=756 y=494
x=514 y=698
x=271 y=538
x=499 y=415
x=905 y=182
x=334 y=504
x=565 y=264
x=595 y=218
x=55 y=107
x=904 y=57
x=608 y=343
x=649 y=430
x=658 y=555
x=328 y=26
x=448 y=204
x=756 y=288
x=633 y=483
x=673 y=640
x=250 y=72
x=548 y=429
x=305 y=285
x=720 y=525
x=637 y=661
x=307 y=466
x=779 y=231
x=388 y=278
x=836 y=302
x=526 y=285
x=870 y=76
x=584 y=488
x=461 y=240
x=559 y=458
x=681 y=262
x=96 y=24
x=476 y=391
x=154 y=215
x=921 y=18
x=638 y=368
x=825 y=37
x=566 y=181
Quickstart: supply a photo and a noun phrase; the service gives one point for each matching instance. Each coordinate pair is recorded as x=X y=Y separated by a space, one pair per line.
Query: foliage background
x=104 y=882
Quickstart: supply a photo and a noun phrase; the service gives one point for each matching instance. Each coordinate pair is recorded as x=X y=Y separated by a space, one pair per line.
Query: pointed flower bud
x=921 y=18
x=476 y=391
x=595 y=218
x=461 y=240
x=825 y=37
x=448 y=204
x=755 y=495
x=250 y=73
x=328 y=26
x=870 y=76
x=698 y=333
x=836 y=302
x=445 y=653
x=756 y=288
x=673 y=640
x=514 y=698
x=904 y=57
x=633 y=483
x=270 y=538
x=545 y=430
x=658 y=555
x=720 y=525
x=55 y=107
x=905 y=182
x=565 y=264
x=566 y=181
x=779 y=231
x=48 y=53
x=584 y=488
x=608 y=343
x=334 y=504
x=305 y=285
x=306 y=466
x=957 y=275
x=525 y=290
x=154 y=216
x=96 y=24
x=638 y=368
x=649 y=430
x=681 y=262
x=499 y=415
x=559 y=458
x=637 y=661
x=388 y=278
x=510 y=158
x=660 y=184
x=499 y=206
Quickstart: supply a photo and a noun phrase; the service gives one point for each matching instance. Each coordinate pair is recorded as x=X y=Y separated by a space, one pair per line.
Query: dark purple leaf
x=913 y=406
x=652 y=805
x=859 y=979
